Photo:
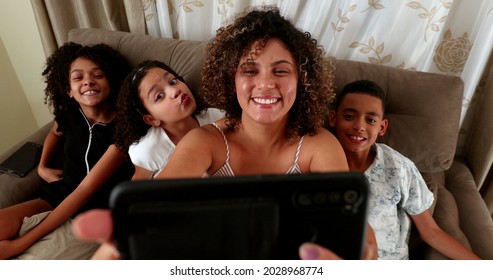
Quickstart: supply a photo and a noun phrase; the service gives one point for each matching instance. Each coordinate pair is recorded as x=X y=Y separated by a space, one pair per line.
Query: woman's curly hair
x=130 y=126
x=315 y=73
x=57 y=76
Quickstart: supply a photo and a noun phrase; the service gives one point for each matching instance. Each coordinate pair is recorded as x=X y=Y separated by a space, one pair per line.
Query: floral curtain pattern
x=452 y=37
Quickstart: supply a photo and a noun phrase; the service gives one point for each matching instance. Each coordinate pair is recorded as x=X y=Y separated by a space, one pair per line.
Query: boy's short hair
x=363 y=87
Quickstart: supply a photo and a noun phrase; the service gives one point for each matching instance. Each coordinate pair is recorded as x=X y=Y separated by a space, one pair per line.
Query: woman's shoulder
x=210 y=115
x=204 y=134
x=324 y=152
x=322 y=135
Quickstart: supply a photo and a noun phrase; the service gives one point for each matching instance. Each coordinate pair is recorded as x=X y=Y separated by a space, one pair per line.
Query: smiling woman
x=279 y=75
x=267 y=83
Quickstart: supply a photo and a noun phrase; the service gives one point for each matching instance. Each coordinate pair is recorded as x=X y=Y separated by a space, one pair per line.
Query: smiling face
x=358 y=122
x=89 y=85
x=266 y=83
x=167 y=99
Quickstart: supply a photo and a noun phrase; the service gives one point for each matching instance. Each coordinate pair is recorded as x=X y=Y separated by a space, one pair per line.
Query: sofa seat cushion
x=14 y=190
x=474 y=219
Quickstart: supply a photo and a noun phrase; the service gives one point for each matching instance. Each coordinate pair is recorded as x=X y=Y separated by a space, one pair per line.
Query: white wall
x=22 y=109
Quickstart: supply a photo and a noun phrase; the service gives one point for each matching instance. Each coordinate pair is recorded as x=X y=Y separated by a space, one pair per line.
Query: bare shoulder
x=204 y=141
x=54 y=129
x=325 y=152
x=202 y=135
x=325 y=137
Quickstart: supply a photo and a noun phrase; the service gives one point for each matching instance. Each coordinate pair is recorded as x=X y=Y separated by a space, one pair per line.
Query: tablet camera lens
x=334 y=197
x=319 y=198
x=350 y=196
x=304 y=200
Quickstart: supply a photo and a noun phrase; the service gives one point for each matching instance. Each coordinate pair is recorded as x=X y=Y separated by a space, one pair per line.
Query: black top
x=84 y=145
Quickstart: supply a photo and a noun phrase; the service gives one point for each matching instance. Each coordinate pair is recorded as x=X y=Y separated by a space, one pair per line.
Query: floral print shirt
x=397 y=190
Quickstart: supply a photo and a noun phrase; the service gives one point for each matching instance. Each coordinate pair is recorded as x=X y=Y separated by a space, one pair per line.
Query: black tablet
x=246 y=217
x=22 y=160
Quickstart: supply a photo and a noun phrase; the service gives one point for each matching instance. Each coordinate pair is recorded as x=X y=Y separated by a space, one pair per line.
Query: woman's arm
x=99 y=174
x=193 y=155
x=141 y=173
x=441 y=241
x=51 y=148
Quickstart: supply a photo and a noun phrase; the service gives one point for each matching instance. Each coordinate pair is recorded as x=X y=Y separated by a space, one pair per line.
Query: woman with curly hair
x=275 y=86
x=155 y=110
x=82 y=85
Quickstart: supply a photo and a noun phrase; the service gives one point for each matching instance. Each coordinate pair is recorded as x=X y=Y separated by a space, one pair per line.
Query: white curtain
x=452 y=37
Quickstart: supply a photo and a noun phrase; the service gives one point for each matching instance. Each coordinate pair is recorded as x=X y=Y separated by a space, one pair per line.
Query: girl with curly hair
x=82 y=85
x=155 y=110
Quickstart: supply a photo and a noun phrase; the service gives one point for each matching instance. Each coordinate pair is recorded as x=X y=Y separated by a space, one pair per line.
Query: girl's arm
x=99 y=174
x=441 y=241
x=51 y=148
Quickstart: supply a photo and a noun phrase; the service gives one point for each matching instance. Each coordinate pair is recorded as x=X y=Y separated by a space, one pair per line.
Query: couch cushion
x=184 y=56
x=423 y=110
x=15 y=190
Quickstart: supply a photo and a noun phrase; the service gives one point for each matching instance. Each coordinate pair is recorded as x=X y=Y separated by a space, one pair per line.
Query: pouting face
x=266 y=83
x=167 y=99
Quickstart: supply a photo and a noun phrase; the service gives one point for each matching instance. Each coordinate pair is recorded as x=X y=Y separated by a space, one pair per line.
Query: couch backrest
x=184 y=56
x=423 y=108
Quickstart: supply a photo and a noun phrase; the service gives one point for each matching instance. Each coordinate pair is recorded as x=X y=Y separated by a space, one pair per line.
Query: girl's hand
x=50 y=174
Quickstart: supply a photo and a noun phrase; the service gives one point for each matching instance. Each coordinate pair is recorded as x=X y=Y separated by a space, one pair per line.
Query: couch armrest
x=14 y=190
x=475 y=220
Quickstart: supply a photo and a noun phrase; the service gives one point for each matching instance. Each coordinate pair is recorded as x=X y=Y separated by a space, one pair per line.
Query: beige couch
x=423 y=109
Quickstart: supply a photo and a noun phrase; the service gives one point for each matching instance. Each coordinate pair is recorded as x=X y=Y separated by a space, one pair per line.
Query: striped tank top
x=227 y=171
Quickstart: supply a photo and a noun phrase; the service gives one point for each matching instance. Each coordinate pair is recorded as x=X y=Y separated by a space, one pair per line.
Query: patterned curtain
x=452 y=37
x=55 y=18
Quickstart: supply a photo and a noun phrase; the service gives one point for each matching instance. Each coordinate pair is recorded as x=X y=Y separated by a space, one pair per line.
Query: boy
x=398 y=192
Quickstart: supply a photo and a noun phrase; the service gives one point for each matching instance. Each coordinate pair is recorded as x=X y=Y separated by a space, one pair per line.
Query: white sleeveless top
x=154 y=149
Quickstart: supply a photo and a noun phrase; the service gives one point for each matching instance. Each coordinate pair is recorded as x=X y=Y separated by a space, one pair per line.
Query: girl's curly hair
x=315 y=73
x=56 y=75
x=130 y=126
